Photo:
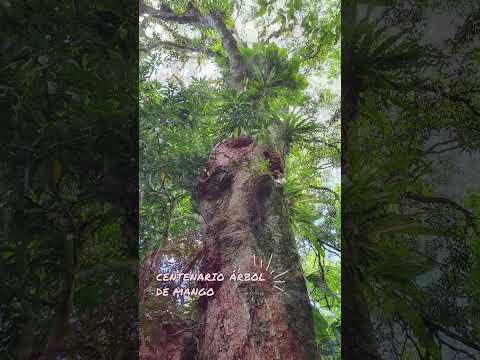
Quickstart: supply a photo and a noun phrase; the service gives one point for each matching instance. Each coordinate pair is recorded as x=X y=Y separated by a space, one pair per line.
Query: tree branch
x=216 y=21
x=440 y=200
x=165 y=13
x=230 y=45
x=433 y=147
x=453 y=335
x=456 y=349
x=175 y=45
x=321 y=188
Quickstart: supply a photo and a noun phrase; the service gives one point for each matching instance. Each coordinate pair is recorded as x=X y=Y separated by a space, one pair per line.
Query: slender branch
x=412 y=340
x=328 y=165
x=175 y=45
x=454 y=97
x=182 y=330
x=275 y=34
x=440 y=200
x=456 y=349
x=198 y=256
x=453 y=335
x=444 y=150
x=433 y=147
x=466 y=102
x=332 y=247
x=321 y=188
x=165 y=13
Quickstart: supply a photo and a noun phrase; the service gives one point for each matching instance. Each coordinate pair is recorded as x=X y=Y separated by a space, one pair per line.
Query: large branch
x=230 y=45
x=473 y=344
x=178 y=46
x=216 y=21
x=191 y=16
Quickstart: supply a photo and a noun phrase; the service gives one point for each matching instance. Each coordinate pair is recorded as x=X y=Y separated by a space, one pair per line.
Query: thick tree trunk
x=246 y=217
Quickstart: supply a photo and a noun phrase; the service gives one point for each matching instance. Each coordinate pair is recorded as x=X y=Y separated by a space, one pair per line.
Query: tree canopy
x=204 y=78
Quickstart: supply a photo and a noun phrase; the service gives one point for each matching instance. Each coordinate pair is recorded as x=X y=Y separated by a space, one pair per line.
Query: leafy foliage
x=183 y=117
x=409 y=246
x=68 y=199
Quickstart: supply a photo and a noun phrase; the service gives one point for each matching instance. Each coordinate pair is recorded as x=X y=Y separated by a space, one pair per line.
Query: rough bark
x=358 y=336
x=169 y=342
x=246 y=217
x=61 y=321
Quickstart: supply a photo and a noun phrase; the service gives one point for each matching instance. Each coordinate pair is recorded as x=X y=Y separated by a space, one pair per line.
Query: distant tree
x=410 y=250
x=68 y=192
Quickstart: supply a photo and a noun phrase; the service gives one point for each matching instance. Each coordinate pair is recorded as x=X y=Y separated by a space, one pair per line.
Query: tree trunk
x=358 y=335
x=246 y=217
x=61 y=327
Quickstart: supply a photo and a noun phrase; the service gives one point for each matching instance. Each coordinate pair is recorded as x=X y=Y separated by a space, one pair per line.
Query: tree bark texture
x=358 y=335
x=242 y=204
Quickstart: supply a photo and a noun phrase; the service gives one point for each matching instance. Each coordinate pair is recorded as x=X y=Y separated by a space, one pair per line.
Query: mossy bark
x=243 y=206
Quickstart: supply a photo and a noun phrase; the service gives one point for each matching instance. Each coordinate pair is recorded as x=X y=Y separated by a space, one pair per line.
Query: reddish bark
x=246 y=216
x=168 y=342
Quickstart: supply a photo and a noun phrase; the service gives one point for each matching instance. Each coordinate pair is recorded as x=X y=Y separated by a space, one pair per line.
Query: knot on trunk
x=240 y=142
x=276 y=163
x=217 y=175
x=210 y=186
